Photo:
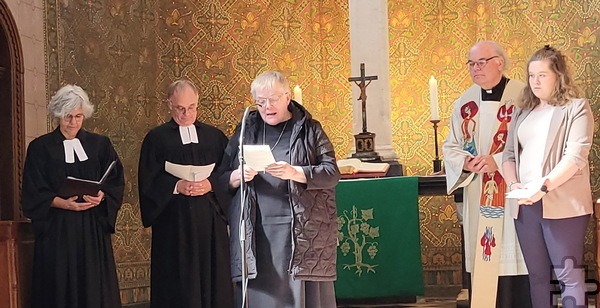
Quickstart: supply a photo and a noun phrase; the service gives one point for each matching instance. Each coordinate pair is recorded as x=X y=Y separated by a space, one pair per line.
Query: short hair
x=565 y=88
x=178 y=85
x=67 y=99
x=498 y=50
x=268 y=80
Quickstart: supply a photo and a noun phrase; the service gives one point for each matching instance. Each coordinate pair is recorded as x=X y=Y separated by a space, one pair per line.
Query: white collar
x=73 y=147
x=188 y=134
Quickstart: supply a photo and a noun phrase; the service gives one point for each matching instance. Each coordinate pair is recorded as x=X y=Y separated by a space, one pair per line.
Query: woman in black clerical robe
x=73 y=262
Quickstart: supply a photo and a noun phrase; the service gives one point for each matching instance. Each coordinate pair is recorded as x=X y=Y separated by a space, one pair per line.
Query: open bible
x=355 y=165
x=73 y=186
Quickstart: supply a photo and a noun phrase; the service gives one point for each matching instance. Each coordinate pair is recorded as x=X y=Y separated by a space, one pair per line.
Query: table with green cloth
x=379 y=252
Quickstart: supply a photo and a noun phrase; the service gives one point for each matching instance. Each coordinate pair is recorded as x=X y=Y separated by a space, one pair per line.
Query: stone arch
x=12 y=144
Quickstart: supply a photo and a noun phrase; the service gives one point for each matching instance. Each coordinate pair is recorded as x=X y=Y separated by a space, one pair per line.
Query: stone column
x=369 y=44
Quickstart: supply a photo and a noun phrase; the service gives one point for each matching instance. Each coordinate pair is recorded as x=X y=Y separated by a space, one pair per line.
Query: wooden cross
x=363 y=84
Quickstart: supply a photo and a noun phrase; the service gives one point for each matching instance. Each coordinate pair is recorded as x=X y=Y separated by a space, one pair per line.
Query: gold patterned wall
x=125 y=52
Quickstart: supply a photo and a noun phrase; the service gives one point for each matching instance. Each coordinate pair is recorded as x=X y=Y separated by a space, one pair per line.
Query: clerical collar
x=73 y=147
x=188 y=134
x=495 y=93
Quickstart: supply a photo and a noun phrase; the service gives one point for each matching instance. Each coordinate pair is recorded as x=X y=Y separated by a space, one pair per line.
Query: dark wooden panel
x=16 y=256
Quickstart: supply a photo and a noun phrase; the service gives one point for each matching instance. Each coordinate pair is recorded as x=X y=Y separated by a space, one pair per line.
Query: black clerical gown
x=190 y=252
x=73 y=260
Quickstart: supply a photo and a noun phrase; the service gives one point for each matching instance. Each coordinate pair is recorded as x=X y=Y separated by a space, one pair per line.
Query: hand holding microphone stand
x=243 y=212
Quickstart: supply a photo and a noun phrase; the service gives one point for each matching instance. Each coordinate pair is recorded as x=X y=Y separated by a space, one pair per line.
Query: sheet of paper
x=530 y=189
x=189 y=172
x=258 y=156
x=522 y=193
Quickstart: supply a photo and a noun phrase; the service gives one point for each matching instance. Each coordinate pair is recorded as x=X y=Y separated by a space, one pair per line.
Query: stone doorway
x=12 y=144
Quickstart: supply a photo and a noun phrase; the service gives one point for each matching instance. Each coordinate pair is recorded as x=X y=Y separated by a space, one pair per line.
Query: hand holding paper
x=258 y=156
x=281 y=170
x=73 y=186
x=194 y=188
x=248 y=173
x=189 y=172
x=528 y=192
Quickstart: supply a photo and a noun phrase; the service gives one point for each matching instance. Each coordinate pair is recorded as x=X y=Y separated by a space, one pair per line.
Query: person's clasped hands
x=480 y=164
x=191 y=188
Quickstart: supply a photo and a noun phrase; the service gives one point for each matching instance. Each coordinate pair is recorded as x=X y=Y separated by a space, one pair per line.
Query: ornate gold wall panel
x=108 y=48
x=125 y=52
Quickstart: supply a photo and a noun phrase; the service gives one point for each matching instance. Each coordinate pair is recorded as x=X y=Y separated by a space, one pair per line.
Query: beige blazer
x=570 y=137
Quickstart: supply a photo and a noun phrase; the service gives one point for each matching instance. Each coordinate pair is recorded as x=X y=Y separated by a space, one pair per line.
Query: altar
x=379 y=252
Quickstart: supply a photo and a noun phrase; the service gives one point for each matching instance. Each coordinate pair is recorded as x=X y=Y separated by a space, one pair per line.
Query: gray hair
x=268 y=80
x=498 y=50
x=177 y=85
x=67 y=99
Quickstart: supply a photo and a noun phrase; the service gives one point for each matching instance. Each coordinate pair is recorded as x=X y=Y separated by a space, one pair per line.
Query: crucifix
x=363 y=84
x=364 y=141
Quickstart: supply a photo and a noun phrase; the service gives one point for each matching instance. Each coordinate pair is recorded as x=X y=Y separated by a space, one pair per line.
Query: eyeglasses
x=274 y=100
x=78 y=117
x=184 y=110
x=479 y=63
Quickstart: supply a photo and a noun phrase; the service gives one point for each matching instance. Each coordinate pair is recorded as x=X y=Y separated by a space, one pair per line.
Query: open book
x=73 y=186
x=355 y=165
x=189 y=172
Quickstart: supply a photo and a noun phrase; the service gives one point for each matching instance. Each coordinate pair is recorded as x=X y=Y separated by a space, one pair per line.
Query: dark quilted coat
x=313 y=204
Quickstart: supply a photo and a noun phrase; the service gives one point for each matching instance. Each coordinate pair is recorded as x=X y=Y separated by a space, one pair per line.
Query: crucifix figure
x=363 y=84
x=364 y=141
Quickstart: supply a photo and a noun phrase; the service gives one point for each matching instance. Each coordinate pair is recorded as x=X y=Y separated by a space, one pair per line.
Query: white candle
x=433 y=98
x=298 y=94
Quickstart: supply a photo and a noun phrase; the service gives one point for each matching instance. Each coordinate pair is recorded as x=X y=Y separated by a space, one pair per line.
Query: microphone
x=242 y=131
x=243 y=213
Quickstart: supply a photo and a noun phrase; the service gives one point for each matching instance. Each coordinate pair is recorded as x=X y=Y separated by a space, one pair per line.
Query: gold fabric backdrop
x=125 y=52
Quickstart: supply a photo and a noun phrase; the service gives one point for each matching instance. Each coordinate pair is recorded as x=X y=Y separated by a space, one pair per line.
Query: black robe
x=190 y=252
x=73 y=262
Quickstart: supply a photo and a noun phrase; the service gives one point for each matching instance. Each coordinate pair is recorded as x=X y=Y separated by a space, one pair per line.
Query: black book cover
x=73 y=186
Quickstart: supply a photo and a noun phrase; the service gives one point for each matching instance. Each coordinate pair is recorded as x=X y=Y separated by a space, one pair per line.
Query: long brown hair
x=565 y=88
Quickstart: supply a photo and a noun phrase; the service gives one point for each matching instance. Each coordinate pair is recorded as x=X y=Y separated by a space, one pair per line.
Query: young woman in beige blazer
x=546 y=155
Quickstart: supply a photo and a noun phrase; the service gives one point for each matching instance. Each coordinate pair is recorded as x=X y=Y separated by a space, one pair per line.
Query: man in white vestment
x=472 y=154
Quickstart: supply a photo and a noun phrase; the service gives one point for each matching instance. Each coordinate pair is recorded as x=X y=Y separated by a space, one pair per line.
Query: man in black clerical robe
x=190 y=252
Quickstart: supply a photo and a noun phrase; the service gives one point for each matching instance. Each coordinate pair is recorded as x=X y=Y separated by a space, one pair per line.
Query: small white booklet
x=189 y=172
x=530 y=189
x=258 y=156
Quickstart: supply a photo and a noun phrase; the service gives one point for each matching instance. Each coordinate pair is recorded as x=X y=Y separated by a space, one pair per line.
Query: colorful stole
x=491 y=211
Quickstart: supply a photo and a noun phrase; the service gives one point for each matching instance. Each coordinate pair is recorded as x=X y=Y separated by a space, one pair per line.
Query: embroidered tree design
x=356 y=234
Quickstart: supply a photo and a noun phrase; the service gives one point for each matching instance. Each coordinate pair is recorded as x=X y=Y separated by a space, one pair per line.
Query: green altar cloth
x=379 y=252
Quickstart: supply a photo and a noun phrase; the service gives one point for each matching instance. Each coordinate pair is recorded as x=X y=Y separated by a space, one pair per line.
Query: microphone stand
x=243 y=211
